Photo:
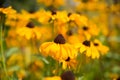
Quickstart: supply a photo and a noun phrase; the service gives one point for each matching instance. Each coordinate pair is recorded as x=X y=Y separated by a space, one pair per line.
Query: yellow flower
x=29 y=31
x=53 y=78
x=89 y=31
x=78 y=19
x=16 y=57
x=89 y=50
x=59 y=49
x=61 y=16
x=43 y=16
x=7 y=10
x=101 y=48
x=46 y=2
x=69 y=63
x=93 y=49
x=58 y=3
x=54 y=3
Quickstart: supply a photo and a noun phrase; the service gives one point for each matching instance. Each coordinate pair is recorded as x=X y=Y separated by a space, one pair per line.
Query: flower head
x=88 y=48
x=69 y=63
x=59 y=49
x=29 y=31
x=53 y=78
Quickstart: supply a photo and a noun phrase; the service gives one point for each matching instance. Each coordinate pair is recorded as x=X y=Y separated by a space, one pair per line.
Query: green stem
x=2 y=17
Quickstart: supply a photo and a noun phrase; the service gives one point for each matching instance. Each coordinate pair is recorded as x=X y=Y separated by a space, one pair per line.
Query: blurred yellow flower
x=69 y=63
x=53 y=78
x=101 y=48
x=43 y=16
x=89 y=50
x=9 y=10
x=89 y=31
x=29 y=31
x=78 y=19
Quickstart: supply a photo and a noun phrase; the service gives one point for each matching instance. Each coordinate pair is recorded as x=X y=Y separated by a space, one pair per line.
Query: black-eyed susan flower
x=61 y=16
x=29 y=31
x=53 y=78
x=55 y=3
x=8 y=10
x=89 y=31
x=58 y=49
x=78 y=19
x=89 y=50
x=101 y=48
x=69 y=63
x=93 y=49
x=42 y=16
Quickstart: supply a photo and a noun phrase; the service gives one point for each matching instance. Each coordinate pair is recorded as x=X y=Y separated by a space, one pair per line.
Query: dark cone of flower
x=70 y=33
x=68 y=75
x=86 y=43
x=59 y=39
x=118 y=78
x=96 y=44
x=69 y=14
x=53 y=12
x=68 y=59
x=30 y=25
x=85 y=28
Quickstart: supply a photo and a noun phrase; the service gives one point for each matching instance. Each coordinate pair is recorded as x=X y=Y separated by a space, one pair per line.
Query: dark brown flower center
x=118 y=78
x=85 y=28
x=68 y=59
x=30 y=25
x=69 y=32
x=86 y=43
x=54 y=12
x=68 y=75
x=96 y=44
x=59 y=39
x=69 y=14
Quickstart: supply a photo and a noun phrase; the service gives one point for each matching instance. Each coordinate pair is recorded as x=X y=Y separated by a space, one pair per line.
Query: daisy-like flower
x=88 y=48
x=69 y=63
x=78 y=19
x=88 y=31
x=101 y=48
x=60 y=16
x=93 y=49
x=7 y=10
x=43 y=16
x=58 y=49
x=29 y=31
x=53 y=78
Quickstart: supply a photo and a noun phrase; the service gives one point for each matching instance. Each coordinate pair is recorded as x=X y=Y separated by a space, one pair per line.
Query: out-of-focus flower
x=53 y=78
x=42 y=16
x=29 y=31
x=101 y=48
x=69 y=63
x=7 y=11
x=89 y=50
x=61 y=16
x=89 y=31
x=55 y=3
x=78 y=19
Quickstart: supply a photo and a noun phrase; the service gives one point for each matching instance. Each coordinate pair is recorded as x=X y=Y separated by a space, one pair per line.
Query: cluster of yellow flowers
x=58 y=34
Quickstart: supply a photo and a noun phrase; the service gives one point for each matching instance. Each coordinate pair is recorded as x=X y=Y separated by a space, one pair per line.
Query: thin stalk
x=2 y=17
